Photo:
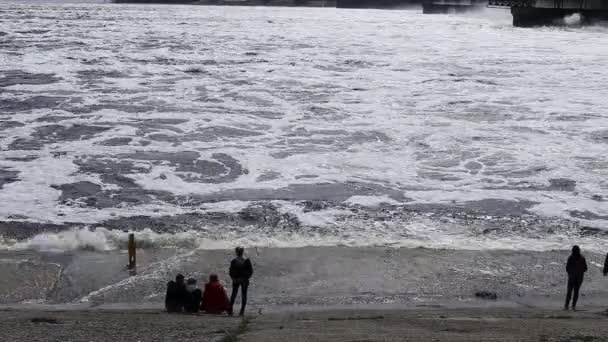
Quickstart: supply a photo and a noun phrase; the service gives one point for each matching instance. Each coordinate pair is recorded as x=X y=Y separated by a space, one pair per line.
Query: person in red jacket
x=215 y=300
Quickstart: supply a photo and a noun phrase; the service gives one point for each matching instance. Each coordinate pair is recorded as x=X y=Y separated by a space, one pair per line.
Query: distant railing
x=511 y=3
x=559 y=4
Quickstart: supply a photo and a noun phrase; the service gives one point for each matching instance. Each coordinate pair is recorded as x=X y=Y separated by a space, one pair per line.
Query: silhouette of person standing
x=606 y=266
x=241 y=271
x=576 y=268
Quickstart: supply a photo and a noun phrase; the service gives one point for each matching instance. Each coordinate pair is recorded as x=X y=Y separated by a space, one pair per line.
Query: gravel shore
x=422 y=324
x=466 y=325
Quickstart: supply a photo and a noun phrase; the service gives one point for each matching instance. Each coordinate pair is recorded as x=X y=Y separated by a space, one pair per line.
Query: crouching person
x=215 y=300
x=176 y=294
x=194 y=297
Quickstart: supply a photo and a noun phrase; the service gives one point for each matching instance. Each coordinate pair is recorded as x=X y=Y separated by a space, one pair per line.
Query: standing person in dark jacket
x=606 y=266
x=241 y=271
x=576 y=268
x=176 y=294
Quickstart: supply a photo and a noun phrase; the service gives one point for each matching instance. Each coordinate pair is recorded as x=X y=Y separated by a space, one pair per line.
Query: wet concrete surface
x=307 y=277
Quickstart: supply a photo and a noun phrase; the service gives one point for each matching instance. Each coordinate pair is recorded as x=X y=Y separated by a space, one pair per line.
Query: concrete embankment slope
x=310 y=276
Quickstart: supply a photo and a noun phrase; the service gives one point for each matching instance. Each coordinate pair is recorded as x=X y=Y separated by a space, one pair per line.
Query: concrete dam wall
x=285 y=3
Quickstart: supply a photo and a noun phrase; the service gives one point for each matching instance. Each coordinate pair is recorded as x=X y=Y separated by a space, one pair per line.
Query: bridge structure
x=451 y=6
x=528 y=13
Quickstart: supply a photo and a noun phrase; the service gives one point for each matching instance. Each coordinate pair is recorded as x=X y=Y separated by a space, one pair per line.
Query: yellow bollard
x=131 y=247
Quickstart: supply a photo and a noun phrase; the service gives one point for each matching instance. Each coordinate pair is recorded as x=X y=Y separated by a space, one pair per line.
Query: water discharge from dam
x=202 y=127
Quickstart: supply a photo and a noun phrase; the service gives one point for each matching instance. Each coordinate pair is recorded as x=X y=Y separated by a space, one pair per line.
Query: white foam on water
x=419 y=233
x=439 y=107
x=573 y=19
x=371 y=201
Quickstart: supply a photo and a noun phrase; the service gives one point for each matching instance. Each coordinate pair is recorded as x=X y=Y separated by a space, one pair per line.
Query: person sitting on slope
x=194 y=297
x=176 y=294
x=215 y=300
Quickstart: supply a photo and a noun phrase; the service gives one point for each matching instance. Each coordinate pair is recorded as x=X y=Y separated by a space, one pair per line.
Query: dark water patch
x=568 y=118
x=263 y=214
x=116 y=142
x=600 y=136
x=306 y=176
x=459 y=102
x=22 y=159
x=148 y=126
x=438 y=162
x=316 y=112
x=25 y=145
x=206 y=134
x=14 y=105
x=483 y=113
x=562 y=184
x=486 y=138
x=109 y=165
x=337 y=192
x=35 y=31
x=222 y=169
x=493 y=207
x=249 y=99
x=59 y=133
x=516 y=173
x=587 y=215
x=165 y=121
x=527 y=130
x=2 y=34
x=8 y=176
x=10 y=124
x=77 y=190
x=19 y=230
x=437 y=175
x=268 y=214
x=286 y=152
x=268 y=176
x=53 y=118
x=127 y=108
x=497 y=158
x=87 y=194
x=15 y=77
x=221 y=132
x=266 y=114
x=96 y=74
x=310 y=206
x=172 y=158
x=195 y=70
x=473 y=167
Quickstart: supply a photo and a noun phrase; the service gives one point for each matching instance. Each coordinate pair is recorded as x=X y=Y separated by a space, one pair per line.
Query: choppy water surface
x=202 y=126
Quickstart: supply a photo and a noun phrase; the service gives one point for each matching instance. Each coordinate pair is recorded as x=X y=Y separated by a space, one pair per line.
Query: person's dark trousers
x=244 y=285
x=574 y=285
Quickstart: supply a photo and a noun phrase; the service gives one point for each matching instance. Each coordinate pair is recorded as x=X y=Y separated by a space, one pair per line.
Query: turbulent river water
x=203 y=127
